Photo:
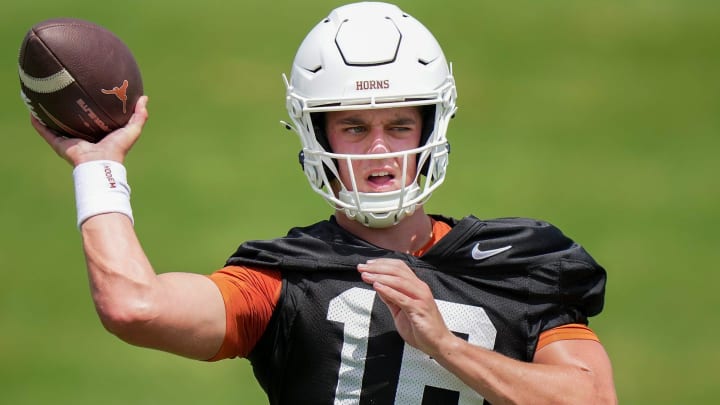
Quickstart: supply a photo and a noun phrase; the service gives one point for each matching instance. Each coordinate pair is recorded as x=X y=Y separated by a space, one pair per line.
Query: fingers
x=126 y=136
x=410 y=301
x=396 y=300
x=50 y=136
x=384 y=266
x=140 y=115
x=394 y=279
x=59 y=143
x=388 y=270
x=114 y=146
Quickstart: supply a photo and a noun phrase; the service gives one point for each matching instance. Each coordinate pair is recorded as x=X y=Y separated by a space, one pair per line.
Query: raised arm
x=181 y=313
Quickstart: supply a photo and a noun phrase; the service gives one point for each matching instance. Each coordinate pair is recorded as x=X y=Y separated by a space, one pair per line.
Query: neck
x=407 y=236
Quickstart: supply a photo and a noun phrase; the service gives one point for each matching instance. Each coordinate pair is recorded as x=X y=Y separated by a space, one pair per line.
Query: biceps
x=577 y=352
x=589 y=356
x=190 y=316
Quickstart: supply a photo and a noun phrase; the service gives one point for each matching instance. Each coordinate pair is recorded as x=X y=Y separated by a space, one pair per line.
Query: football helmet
x=371 y=55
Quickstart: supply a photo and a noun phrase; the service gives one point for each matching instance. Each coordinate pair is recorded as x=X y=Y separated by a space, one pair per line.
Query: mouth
x=380 y=181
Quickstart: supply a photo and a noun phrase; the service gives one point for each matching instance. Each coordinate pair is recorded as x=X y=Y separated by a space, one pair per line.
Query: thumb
x=124 y=138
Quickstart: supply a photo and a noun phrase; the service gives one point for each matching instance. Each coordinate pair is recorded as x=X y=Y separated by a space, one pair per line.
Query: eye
x=402 y=131
x=354 y=130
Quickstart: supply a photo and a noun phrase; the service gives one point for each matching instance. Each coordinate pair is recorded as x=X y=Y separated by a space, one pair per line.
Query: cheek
x=411 y=169
x=339 y=145
x=344 y=171
x=411 y=159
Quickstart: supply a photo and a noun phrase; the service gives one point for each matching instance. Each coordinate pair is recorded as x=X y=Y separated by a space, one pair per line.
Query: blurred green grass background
x=601 y=117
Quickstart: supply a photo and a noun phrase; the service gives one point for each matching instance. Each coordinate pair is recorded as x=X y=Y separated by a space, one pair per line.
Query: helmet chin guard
x=371 y=208
x=371 y=56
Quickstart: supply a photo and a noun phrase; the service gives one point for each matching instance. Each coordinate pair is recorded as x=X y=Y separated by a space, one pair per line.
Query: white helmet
x=363 y=56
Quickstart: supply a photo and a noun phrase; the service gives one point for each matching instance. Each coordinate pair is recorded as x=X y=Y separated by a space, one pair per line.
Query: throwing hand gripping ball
x=78 y=78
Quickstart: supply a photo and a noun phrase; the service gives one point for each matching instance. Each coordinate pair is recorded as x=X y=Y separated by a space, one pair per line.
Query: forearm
x=502 y=380
x=180 y=313
x=121 y=277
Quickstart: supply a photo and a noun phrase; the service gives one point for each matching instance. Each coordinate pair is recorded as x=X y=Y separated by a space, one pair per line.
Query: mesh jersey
x=331 y=339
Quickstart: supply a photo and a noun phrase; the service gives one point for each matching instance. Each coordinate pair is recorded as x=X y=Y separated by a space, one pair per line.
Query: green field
x=601 y=117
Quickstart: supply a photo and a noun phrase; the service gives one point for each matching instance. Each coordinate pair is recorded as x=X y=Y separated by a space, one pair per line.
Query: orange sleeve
x=250 y=297
x=566 y=332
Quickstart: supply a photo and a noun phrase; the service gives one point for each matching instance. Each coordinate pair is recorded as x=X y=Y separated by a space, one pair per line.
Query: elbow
x=601 y=391
x=127 y=319
x=588 y=388
x=606 y=397
x=603 y=398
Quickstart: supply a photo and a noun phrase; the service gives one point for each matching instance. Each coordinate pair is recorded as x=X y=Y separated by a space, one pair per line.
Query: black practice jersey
x=331 y=340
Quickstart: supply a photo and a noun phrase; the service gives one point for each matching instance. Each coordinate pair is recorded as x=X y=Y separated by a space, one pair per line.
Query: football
x=78 y=78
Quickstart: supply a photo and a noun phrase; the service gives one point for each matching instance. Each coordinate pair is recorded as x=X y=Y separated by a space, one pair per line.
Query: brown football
x=78 y=78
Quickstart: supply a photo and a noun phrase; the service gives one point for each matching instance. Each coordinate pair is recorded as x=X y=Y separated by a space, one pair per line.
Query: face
x=368 y=132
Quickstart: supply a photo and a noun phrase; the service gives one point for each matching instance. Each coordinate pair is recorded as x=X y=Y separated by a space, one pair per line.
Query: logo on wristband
x=109 y=176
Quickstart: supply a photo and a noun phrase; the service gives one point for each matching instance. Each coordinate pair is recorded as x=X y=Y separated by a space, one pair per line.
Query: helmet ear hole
x=428 y=122
x=428 y=125
x=318 y=123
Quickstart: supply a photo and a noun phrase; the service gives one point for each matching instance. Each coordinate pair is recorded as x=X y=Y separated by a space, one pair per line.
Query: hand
x=114 y=146
x=410 y=301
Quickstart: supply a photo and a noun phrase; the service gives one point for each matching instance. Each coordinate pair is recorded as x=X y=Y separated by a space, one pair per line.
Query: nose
x=378 y=147
x=378 y=142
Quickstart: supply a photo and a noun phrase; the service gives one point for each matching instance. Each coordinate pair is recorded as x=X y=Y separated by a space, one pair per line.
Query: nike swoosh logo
x=478 y=254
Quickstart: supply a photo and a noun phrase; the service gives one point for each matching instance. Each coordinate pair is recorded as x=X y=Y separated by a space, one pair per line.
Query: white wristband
x=101 y=187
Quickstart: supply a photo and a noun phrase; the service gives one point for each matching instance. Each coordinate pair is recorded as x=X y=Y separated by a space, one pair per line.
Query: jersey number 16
x=353 y=309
